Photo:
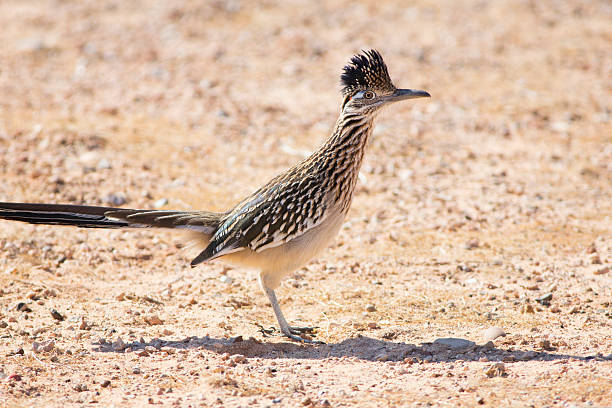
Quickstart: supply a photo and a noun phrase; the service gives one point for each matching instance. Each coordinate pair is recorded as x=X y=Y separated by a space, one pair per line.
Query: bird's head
x=367 y=87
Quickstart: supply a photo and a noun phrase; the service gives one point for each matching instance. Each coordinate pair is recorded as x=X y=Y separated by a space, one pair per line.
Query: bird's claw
x=296 y=334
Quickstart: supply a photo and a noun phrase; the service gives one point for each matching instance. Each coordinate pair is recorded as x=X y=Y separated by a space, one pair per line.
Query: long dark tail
x=85 y=216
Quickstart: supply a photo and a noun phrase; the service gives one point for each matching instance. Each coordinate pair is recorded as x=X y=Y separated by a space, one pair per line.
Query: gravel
x=494 y=156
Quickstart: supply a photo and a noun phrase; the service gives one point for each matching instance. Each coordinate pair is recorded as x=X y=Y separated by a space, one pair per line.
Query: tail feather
x=108 y=217
x=95 y=221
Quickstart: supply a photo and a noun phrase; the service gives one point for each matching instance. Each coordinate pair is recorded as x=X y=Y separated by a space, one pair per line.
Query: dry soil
x=489 y=205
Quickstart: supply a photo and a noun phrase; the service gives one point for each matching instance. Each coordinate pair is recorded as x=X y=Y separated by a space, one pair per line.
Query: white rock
x=492 y=333
x=226 y=279
x=90 y=158
x=160 y=203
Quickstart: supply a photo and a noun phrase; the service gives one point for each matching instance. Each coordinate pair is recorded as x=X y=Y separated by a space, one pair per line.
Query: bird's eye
x=368 y=95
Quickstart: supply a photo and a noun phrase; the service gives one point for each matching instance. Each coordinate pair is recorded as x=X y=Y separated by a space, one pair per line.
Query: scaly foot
x=295 y=334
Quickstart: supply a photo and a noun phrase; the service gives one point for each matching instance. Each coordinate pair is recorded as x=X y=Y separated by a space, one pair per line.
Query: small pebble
x=370 y=308
x=545 y=299
x=239 y=358
x=136 y=370
x=119 y=345
x=488 y=345
x=168 y=350
x=492 y=333
x=545 y=344
x=153 y=320
x=115 y=199
x=57 y=315
x=17 y=352
x=33 y=295
x=472 y=244
x=23 y=307
x=105 y=383
x=528 y=309
x=528 y=355
x=160 y=203
x=84 y=325
x=495 y=370
x=226 y=279
x=382 y=357
x=45 y=346
x=80 y=387
x=103 y=164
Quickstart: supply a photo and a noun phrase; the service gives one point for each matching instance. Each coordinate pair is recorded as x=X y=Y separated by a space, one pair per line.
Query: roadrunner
x=285 y=223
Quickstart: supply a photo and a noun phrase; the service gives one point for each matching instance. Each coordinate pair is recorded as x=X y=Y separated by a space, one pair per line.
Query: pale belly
x=275 y=263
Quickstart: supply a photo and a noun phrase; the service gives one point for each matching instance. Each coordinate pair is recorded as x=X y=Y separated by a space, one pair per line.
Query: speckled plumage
x=289 y=220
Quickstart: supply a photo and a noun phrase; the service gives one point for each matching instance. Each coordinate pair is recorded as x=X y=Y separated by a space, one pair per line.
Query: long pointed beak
x=401 y=94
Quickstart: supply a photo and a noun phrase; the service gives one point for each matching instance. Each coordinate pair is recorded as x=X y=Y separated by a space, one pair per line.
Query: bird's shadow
x=361 y=348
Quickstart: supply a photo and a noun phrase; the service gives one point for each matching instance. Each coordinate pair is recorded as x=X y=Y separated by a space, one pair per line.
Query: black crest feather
x=366 y=70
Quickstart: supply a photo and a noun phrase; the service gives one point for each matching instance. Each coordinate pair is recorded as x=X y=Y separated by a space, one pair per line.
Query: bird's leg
x=292 y=332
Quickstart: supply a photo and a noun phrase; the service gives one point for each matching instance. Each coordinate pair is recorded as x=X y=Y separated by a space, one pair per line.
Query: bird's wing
x=270 y=217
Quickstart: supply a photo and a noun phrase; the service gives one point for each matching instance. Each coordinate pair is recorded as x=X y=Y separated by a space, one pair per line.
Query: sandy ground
x=471 y=206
